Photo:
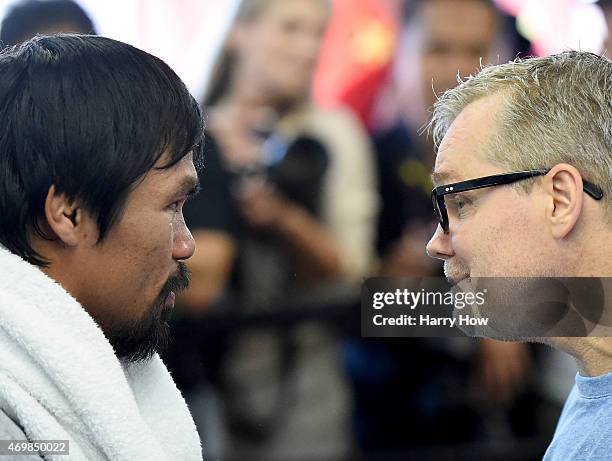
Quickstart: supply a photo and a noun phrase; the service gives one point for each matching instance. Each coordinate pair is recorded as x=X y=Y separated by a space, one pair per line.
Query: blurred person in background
x=440 y=40
x=27 y=18
x=412 y=391
x=287 y=217
x=606 y=7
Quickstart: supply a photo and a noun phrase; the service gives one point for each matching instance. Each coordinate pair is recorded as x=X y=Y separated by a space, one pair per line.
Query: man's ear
x=64 y=217
x=565 y=189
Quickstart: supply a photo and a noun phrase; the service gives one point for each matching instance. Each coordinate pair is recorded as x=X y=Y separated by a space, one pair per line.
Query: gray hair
x=555 y=109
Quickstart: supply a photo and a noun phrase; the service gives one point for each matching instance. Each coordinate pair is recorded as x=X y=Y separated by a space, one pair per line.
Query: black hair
x=29 y=17
x=91 y=116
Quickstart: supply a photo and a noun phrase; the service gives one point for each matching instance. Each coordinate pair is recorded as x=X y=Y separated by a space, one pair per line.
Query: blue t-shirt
x=584 y=431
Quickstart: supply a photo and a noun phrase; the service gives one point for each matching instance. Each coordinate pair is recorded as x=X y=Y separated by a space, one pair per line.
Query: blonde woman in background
x=259 y=248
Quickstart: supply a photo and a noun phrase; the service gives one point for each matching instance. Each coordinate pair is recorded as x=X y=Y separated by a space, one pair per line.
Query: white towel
x=60 y=378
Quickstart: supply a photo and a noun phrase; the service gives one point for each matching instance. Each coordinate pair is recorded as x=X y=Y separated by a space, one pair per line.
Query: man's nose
x=184 y=244
x=439 y=245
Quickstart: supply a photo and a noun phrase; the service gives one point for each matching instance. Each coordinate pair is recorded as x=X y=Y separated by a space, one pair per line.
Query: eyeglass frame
x=438 y=193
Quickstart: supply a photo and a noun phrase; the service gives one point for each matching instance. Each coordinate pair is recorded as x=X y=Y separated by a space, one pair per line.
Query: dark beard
x=140 y=339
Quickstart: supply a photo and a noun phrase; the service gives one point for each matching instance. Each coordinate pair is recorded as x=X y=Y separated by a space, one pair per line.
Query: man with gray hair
x=523 y=180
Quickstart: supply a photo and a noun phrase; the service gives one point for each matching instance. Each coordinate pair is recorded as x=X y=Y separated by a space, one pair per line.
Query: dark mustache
x=177 y=282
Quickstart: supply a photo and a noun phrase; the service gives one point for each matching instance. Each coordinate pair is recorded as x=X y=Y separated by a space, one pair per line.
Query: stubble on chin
x=138 y=340
x=456 y=270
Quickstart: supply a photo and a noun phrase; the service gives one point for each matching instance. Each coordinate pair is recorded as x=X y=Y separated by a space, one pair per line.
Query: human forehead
x=318 y=10
x=164 y=181
x=461 y=154
x=469 y=20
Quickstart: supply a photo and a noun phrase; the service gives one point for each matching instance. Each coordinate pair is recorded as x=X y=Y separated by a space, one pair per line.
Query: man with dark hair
x=46 y=17
x=99 y=145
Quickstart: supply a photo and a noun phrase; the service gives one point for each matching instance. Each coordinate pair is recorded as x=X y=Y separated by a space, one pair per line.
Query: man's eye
x=179 y=204
x=460 y=205
x=176 y=206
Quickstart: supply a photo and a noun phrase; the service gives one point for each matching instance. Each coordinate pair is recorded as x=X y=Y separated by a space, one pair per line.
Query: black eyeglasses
x=438 y=193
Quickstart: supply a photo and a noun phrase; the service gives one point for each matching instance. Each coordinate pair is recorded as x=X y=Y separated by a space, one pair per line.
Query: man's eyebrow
x=190 y=186
x=442 y=177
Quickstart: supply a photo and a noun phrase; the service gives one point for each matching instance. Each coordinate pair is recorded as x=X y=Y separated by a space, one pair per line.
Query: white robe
x=60 y=379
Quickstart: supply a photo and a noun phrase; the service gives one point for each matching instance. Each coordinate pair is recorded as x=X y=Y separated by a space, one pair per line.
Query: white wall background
x=187 y=34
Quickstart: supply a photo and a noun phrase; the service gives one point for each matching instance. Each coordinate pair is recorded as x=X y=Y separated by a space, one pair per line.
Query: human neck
x=251 y=94
x=246 y=92
x=593 y=356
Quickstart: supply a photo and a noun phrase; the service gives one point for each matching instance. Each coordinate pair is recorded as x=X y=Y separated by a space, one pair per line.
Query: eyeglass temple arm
x=589 y=188
x=481 y=183
x=592 y=189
